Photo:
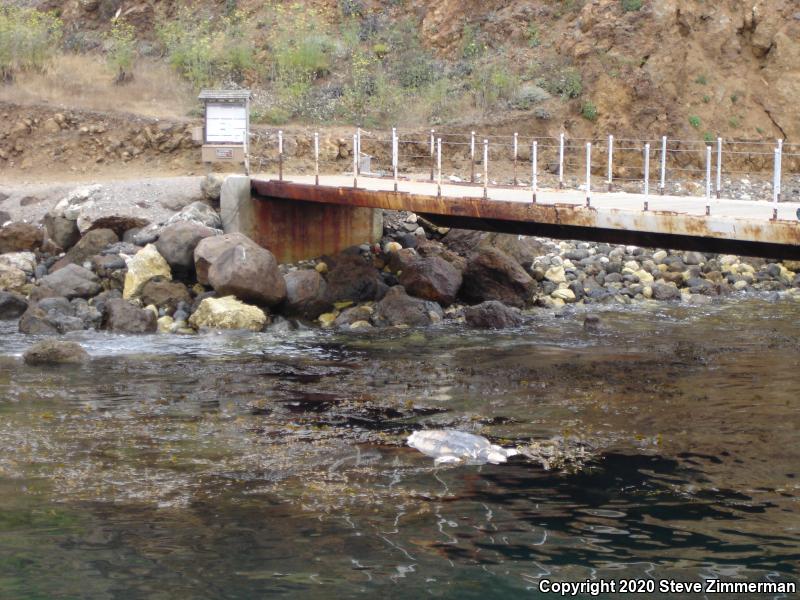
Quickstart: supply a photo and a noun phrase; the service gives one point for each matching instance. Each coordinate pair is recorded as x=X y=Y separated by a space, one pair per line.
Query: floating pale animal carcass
x=457 y=447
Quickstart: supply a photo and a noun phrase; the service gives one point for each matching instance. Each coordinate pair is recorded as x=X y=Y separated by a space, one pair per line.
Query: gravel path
x=154 y=199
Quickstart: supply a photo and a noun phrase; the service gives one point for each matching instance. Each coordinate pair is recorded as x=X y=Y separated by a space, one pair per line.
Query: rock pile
x=185 y=275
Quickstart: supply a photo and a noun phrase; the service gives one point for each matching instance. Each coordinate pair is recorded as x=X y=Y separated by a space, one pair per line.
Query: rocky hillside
x=686 y=67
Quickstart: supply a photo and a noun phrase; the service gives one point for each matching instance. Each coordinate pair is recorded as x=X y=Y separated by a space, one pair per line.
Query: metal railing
x=532 y=162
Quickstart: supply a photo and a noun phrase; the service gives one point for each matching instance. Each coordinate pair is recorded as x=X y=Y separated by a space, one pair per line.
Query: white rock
x=142 y=267
x=458 y=447
x=556 y=274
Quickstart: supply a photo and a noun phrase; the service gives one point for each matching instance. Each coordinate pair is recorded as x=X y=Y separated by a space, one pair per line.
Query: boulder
x=398 y=308
x=199 y=213
x=351 y=278
x=249 y=273
x=354 y=314
x=492 y=315
x=55 y=352
x=165 y=294
x=11 y=278
x=12 y=305
x=64 y=232
x=305 y=294
x=493 y=275
x=24 y=261
x=123 y=317
x=20 y=237
x=147 y=264
x=432 y=279
x=211 y=186
x=665 y=291
x=72 y=281
x=227 y=313
x=91 y=244
x=401 y=259
x=56 y=315
x=177 y=243
x=209 y=249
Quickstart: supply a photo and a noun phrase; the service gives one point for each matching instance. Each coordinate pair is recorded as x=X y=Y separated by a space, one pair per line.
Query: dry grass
x=86 y=82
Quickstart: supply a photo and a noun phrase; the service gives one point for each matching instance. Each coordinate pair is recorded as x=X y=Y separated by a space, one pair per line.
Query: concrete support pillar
x=295 y=230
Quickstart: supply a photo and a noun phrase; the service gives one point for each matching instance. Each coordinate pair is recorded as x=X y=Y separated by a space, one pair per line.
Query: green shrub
x=589 y=110
x=28 y=39
x=121 y=50
x=567 y=84
x=701 y=80
x=733 y=122
x=534 y=40
x=491 y=84
x=207 y=51
x=472 y=45
x=706 y=99
x=708 y=137
x=694 y=121
x=631 y=5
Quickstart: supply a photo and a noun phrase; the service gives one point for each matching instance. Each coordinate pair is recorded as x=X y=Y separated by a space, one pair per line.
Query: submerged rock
x=492 y=315
x=124 y=317
x=55 y=352
x=227 y=313
x=398 y=308
x=12 y=305
x=458 y=447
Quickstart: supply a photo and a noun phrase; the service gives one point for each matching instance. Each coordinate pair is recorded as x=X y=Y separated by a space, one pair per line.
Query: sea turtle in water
x=454 y=447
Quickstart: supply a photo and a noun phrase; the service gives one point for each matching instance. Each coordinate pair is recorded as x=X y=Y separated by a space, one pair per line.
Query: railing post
x=588 y=174
x=561 y=162
x=610 y=162
x=395 y=148
x=439 y=166
x=316 y=158
x=780 y=167
x=433 y=150
x=515 y=159
x=280 y=155
x=355 y=160
x=776 y=186
x=663 y=183
x=719 y=168
x=646 y=176
x=358 y=150
x=534 y=169
x=708 y=180
x=485 y=169
x=472 y=157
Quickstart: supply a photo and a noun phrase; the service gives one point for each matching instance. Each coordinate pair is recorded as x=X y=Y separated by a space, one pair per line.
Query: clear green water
x=253 y=466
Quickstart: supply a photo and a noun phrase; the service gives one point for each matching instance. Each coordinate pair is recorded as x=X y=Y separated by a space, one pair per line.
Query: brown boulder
x=249 y=273
x=305 y=294
x=92 y=243
x=165 y=294
x=20 y=237
x=493 y=275
x=209 y=249
x=432 y=279
x=123 y=317
x=177 y=243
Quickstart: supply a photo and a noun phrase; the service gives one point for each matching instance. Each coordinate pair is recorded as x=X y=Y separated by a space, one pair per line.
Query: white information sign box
x=226 y=123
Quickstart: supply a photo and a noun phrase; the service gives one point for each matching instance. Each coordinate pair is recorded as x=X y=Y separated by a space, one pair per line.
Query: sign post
x=227 y=127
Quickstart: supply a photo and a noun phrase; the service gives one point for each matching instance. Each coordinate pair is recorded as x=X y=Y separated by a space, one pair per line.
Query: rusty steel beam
x=747 y=237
